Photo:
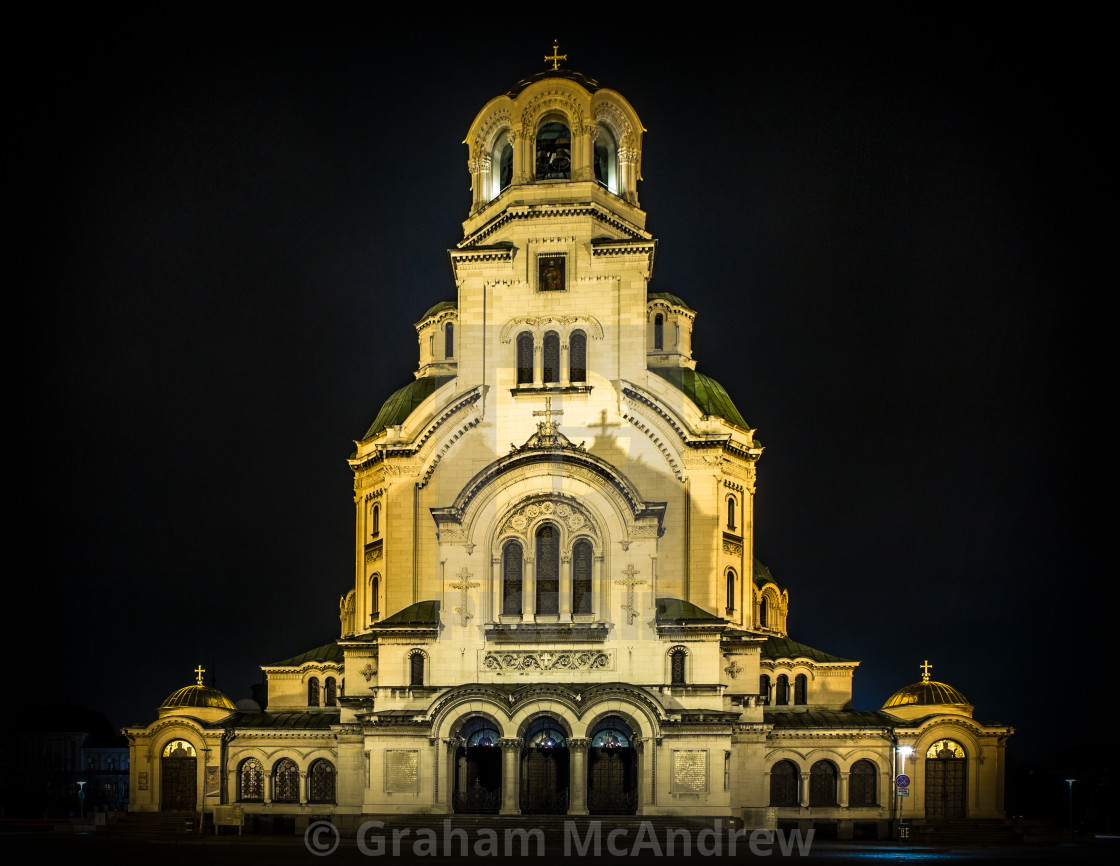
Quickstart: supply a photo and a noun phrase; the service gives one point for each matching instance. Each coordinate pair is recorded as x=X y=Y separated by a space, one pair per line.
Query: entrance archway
x=545 y=768
x=478 y=769
x=946 y=777
x=178 y=773
x=612 y=769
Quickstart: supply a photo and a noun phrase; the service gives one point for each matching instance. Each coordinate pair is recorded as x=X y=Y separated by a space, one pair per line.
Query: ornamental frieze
x=534 y=661
x=524 y=516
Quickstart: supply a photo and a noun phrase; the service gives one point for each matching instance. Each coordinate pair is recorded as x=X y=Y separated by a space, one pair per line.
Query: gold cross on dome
x=556 y=56
x=199 y=671
x=926 y=668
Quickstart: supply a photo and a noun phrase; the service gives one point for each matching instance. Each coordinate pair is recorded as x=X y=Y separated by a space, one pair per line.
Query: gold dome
x=926 y=693
x=198 y=696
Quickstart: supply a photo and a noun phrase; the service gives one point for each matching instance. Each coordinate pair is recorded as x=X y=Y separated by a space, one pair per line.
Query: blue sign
x=903 y=781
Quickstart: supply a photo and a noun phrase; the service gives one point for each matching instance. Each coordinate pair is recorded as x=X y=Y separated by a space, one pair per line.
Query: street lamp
x=902 y=782
x=1070 y=783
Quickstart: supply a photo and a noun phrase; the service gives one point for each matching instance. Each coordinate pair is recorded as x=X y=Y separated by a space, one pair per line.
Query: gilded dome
x=198 y=696
x=924 y=694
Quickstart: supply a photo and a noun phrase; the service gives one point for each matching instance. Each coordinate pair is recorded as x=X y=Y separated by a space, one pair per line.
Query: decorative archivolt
x=538 y=109
x=611 y=116
x=569 y=323
x=499 y=120
x=521 y=520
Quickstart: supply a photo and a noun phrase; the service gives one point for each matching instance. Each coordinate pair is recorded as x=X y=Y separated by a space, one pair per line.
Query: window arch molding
x=417 y=661
x=678 y=662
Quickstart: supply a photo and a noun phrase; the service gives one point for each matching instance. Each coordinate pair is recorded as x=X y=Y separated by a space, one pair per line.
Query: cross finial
x=546 y=427
x=199 y=671
x=556 y=56
x=926 y=668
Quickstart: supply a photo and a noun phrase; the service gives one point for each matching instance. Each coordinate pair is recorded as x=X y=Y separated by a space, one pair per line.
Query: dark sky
x=886 y=229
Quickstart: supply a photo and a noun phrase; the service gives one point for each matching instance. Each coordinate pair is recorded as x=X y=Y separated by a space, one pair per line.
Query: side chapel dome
x=198 y=697
x=921 y=698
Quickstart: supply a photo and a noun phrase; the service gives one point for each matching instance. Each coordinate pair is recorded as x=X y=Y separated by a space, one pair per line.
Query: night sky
x=888 y=235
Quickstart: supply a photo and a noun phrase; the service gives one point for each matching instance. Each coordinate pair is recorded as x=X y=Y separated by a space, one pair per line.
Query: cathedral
x=556 y=608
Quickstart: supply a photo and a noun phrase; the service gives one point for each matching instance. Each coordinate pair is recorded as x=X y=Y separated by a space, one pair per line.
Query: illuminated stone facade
x=555 y=606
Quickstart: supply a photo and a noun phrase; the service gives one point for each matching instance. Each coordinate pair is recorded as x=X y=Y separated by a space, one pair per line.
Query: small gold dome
x=925 y=693
x=198 y=696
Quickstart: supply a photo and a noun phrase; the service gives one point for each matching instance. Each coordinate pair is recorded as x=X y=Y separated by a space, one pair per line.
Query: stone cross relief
x=546 y=427
x=734 y=669
x=630 y=582
x=464 y=585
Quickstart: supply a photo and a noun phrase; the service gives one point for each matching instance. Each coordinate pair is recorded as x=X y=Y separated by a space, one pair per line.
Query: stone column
x=803 y=799
x=303 y=787
x=511 y=776
x=528 y=589
x=842 y=789
x=565 y=365
x=565 y=587
x=538 y=354
x=577 y=778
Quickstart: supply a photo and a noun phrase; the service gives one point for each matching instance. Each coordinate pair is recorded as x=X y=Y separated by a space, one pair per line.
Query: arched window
x=524 y=358
x=554 y=152
x=801 y=689
x=313 y=692
x=762 y=612
x=730 y=591
x=578 y=357
x=731 y=513
x=375 y=597
x=512 y=559
x=251 y=780
x=781 y=692
x=658 y=332
x=320 y=782
x=285 y=781
x=783 y=784
x=606 y=159
x=551 y=357
x=676 y=667
x=581 y=577
x=375 y=520
x=548 y=569
x=764 y=689
x=416 y=669
x=862 y=784
x=822 y=784
x=449 y=340
x=330 y=693
x=501 y=165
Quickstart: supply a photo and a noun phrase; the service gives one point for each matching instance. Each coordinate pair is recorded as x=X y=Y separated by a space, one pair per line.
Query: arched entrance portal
x=612 y=769
x=178 y=773
x=478 y=769
x=545 y=769
x=946 y=772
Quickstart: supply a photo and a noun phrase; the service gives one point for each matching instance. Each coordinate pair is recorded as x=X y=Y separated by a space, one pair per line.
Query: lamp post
x=901 y=783
x=1070 y=783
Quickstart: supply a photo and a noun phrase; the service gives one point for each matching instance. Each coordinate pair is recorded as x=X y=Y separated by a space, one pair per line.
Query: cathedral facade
x=556 y=608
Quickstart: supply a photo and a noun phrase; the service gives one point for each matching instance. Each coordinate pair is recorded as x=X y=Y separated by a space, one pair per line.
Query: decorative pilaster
x=577 y=784
x=511 y=782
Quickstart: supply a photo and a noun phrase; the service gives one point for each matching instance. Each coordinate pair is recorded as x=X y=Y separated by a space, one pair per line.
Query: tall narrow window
x=801 y=689
x=581 y=577
x=449 y=340
x=525 y=358
x=658 y=332
x=551 y=357
x=676 y=667
x=822 y=784
x=320 y=782
x=313 y=692
x=554 y=152
x=548 y=569
x=781 y=691
x=731 y=512
x=416 y=669
x=763 y=614
x=285 y=781
x=375 y=597
x=330 y=693
x=783 y=784
x=511 y=578
x=578 y=355
x=764 y=689
x=730 y=591
x=375 y=520
x=862 y=781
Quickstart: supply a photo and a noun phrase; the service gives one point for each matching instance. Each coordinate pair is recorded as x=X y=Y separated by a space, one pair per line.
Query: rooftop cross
x=199 y=671
x=556 y=56
x=926 y=668
x=546 y=427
